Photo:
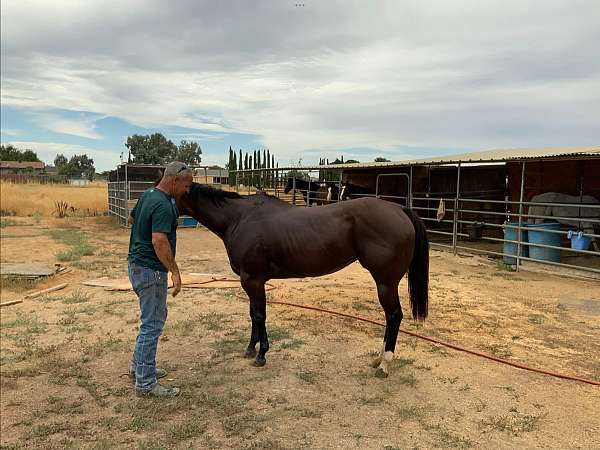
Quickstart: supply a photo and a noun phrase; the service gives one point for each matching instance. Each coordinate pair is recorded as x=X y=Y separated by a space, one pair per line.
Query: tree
x=78 y=166
x=187 y=152
x=381 y=159
x=151 y=149
x=12 y=153
x=60 y=160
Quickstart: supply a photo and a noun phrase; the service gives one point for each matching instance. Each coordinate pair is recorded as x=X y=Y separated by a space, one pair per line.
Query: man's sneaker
x=159 y=391
x=160 y=373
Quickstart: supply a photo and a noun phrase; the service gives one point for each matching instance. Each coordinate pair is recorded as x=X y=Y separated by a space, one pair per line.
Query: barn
x=489 y=202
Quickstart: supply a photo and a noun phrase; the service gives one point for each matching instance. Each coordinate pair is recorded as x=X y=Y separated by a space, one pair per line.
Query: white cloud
x=9 y=132
x=329 y=76
x=81 y=126
x=47 y=151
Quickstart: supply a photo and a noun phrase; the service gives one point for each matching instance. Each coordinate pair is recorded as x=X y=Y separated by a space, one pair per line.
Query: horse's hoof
x=380 y=373
x=260 y=361
x=250 y=353
x=376 y=362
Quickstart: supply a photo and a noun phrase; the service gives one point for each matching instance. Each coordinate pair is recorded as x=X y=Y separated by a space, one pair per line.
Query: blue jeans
x=151 y=288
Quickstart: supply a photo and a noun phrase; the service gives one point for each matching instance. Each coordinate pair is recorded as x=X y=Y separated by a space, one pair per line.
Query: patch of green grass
x=138 y=423
x=292 y=344
x=188 y=429
x=498 y=350
x=77 y=296
x=102 y=346
x=46 y=429
x=213 y=321
x=307 y=376
x=278 y=334
x=232 y=343
x=243 y=424
x=437 y=349
x=76 y=240
x=375 y=400
x=151 y=444
x=7 y=223
x=30 y=322
x=514 y=424
x=184 y=327
x=410 y=413
x=359 y=306
x=108 y=422
x=408 y=379
x=58 y=405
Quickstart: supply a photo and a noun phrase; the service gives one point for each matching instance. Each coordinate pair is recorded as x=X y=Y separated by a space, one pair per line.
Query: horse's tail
x=418 y=271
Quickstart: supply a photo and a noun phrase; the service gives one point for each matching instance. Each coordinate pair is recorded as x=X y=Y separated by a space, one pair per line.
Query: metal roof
x=488 y=156
x=22 y=164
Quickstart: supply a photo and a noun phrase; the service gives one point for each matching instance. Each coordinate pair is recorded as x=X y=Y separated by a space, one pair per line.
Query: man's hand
x=163 y=251
x=176 y=278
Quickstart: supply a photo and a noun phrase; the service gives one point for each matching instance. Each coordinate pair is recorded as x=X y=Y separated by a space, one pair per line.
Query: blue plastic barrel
x=189 y=222
x=541 y=233
x=511 y=234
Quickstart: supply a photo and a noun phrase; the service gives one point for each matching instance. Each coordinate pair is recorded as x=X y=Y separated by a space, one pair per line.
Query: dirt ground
x=63 y=356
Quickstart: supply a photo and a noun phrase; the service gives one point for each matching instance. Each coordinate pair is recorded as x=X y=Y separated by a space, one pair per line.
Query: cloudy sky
x=397 y=79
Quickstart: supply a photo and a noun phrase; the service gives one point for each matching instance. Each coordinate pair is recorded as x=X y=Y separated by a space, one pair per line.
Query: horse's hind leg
x=388 y=297
x=377 y=360
x=258 y=311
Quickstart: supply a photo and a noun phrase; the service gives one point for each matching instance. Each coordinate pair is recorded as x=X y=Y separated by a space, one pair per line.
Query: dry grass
x=39 y=199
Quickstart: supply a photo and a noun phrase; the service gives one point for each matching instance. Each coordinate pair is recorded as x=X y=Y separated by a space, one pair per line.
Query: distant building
x=21 y=167
x=80 y=182
x=51 y=170
x=211 y=176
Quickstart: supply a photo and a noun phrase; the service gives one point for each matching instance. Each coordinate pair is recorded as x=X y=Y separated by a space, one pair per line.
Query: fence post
x=520 y=231
x=455 y=214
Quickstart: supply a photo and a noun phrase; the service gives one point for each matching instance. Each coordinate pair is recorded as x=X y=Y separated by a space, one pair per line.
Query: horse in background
x=566 y=214
x=325 y=192
x=350 y=191
x=266 y=238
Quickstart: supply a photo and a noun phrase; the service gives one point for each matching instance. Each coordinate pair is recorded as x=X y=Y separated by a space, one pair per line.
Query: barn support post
x=308 y=192
x=455 y=213
x=127 y=194
x=294 y=191
x=409 y=201
x=520 y=231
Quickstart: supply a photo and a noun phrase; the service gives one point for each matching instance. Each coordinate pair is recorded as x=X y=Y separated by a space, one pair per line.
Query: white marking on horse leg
x=377 y=360
x=383 y=368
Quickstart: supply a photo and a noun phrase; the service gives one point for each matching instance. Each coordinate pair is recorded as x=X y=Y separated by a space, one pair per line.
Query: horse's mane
x=217 y=196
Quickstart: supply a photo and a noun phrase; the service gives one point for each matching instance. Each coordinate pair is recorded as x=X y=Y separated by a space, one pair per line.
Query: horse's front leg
x=258 y=310
x=251 y=349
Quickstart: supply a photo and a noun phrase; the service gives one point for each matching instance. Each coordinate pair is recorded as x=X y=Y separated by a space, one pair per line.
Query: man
x=151 y=257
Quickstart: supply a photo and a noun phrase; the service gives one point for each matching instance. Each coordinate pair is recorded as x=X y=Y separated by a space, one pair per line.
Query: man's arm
x=131 y=217
x=162 y=247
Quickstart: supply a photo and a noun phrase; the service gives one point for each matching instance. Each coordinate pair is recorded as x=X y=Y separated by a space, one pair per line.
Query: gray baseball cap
x=175 y=168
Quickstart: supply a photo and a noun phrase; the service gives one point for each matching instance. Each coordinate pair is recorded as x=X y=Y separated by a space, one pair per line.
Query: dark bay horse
x=266 y=238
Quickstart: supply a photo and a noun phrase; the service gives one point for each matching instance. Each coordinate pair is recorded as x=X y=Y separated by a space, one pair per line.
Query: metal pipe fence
x=485 y=220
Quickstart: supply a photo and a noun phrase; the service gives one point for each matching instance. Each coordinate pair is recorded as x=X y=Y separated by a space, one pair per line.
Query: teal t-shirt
x=155 y=212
